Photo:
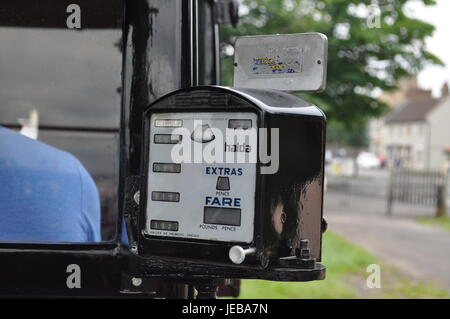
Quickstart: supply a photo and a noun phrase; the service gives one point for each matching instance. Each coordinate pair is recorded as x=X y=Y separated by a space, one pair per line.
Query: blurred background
x=388 y=142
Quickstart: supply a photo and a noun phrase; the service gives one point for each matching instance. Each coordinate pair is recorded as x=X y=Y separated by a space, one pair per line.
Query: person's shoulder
x=85 y=177
x=28 y=152
x=15 y=140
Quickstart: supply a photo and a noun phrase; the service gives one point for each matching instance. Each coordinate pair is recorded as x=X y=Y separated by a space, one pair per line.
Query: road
x=419 y=251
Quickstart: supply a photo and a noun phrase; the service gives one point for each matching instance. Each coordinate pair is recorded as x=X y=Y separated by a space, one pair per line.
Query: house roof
x=412 y=111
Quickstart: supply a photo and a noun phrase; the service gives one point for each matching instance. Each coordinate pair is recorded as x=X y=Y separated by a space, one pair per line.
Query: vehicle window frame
x=117 y=20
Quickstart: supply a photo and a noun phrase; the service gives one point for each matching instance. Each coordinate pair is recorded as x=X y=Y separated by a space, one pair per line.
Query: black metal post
x=161 y=54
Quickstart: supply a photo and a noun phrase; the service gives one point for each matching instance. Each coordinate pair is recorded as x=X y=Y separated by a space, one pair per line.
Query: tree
x=356 y=137
x=372 y=44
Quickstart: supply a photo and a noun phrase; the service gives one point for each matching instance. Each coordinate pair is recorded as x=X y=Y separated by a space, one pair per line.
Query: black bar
x=101 y=14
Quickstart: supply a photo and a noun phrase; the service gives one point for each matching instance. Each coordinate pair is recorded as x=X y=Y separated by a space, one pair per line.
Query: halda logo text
x=245 y=148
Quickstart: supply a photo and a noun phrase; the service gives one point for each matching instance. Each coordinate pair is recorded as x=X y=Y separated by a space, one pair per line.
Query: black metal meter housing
x=260 y=218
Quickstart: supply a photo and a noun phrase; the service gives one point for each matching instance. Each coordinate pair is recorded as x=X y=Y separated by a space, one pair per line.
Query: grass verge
x=443 y=221
x=346 y=278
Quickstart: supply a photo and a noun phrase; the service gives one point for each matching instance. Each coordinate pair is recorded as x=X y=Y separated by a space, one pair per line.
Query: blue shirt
x=46 y=195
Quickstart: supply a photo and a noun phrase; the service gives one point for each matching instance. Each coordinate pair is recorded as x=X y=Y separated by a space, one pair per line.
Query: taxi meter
x=234 y=176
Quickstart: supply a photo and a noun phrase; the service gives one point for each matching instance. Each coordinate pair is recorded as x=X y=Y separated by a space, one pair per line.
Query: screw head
x=136 y=281
x=237 y=255
x=304 y=243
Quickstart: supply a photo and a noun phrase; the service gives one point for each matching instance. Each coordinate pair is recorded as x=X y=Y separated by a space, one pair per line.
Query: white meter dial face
x=202 y=176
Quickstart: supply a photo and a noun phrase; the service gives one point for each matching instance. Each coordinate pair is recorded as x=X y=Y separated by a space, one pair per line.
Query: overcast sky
x=439 y=15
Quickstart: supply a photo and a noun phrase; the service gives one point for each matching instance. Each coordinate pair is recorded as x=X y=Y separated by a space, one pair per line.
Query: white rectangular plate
x=287 y=62
x=200 y=210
